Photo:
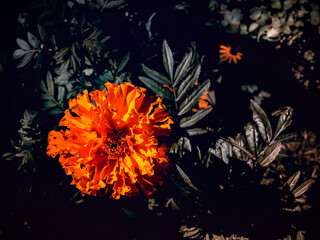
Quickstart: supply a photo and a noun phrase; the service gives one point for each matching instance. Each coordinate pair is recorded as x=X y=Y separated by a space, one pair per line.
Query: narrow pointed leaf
x=156 y=75
x=284 y=120
x=292 y=181
x=221 y=150
x=194 y=97
x=240 y=140
x=186 y=179
x=196 y=131
x=157 y=88
x=123 y=62
x=262 y=121
x=188 y=83
x=61 y=93
x=167 y=59
x=182 y=68
x=193 y=119
x=32 y=40
x=270 y=154
x=303 y=188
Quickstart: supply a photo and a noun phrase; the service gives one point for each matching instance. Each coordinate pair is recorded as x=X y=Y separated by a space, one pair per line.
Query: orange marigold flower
x=111 y=141
x=226 y=54
x=203 y=102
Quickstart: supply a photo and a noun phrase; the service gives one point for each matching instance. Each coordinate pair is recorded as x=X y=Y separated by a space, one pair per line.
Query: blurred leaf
x=50 y=84
x=186 y=179
x=123 y=62
x=155 y=75
x=188 y=83
x=262 y=121
x=196 y=131
x=8 y=156
x=173 y=204
x=300 y=235
x=182 y=68
x=18 y=53
x=42 y=33
x=32 y=40
x=55 y=111
x=25 y=60
x=303 y=188
x=157 y=88
x=292 y=181
x=193 y=98
x=167 y=59
x=270 y=154
x=191 y=120
x=23 y=44
x=129 y=212
x=61 y=93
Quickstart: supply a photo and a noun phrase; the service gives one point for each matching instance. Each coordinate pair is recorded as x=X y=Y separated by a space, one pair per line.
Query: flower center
x=115 y=145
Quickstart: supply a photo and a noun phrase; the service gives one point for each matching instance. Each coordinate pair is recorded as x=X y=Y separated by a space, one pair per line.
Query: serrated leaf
x=303 y=188
x=292 y=181
x=270 y=154
x=191 y=120
x=188 y=83
x=186 y=179
x=167 y=59
x=252 y=137
x=23 y=44
x=182 y=68
x=61 y=93
x=157 y=88
x=155 y=75
x=123 y=62
x=25 y=60
x=18 y=53
x=194 y=97
x=262 y=121
x=284 y=120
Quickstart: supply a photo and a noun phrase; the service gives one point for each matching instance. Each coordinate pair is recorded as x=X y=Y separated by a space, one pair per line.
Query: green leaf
x=185 y=178
x=48 y=104
x=182 y=69
x=270 y=154
x=194 y=97
x=23 y=44
x=191 y=120
x=106 y=76
x=55 y=111
x=157 y=88
x=156 y=75
x=25 y=60
x=129 y=212
x=284 y=120
x=167 y=59
x=303 y=188
x=123 y=62
x=262 y=121
x=188 y=83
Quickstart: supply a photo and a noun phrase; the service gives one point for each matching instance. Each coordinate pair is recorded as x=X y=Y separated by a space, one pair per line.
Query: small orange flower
x=111 y=141
x=225 y=54
x=203 y=102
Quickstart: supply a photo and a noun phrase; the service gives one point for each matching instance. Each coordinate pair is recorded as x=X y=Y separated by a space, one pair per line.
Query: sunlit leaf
x=252 y=136
x=292 y=181
x=193 y=98
x=284 y=120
